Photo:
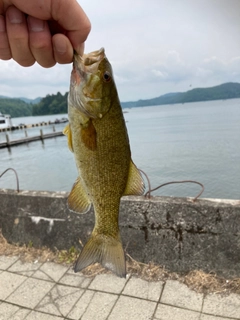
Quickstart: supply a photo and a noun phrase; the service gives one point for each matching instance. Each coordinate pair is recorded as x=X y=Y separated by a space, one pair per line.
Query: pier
x=10 y=143
x=40 y=124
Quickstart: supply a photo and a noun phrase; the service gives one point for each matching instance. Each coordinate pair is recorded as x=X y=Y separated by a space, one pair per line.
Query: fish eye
x=106 y=76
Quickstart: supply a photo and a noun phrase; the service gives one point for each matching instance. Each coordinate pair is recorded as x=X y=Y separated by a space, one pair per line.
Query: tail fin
x=103 y=249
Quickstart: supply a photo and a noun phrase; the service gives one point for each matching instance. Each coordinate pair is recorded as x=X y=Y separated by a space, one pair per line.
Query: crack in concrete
x=55 y=301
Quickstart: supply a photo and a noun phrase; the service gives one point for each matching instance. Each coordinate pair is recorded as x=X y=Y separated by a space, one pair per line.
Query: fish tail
x=103 y=249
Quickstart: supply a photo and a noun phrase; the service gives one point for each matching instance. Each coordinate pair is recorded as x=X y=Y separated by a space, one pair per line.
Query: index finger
x=68 y=13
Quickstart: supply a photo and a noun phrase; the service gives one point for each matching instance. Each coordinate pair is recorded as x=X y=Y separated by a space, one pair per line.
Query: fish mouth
x=88 y=63
x=85 y=67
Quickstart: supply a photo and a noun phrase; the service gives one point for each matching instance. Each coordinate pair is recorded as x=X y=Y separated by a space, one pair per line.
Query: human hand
x=46 y=31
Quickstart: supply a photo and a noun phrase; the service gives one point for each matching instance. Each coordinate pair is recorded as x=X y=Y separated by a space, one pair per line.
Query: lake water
x=193 y=141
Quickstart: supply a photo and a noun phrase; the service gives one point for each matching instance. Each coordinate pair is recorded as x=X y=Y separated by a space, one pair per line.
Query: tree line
x=15 y=107
x=57 y=103
x=51 y=104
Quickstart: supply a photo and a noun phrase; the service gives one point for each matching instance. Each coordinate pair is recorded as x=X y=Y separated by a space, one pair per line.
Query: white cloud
x=155 y=47
x=160 y=74
x=172 y=68
x=220 y=70
x=17 y=81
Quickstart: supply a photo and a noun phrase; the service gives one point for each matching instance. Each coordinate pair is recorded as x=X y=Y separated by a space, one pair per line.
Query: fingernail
x=60 y=47
x=80 y=49
x=2 y=24
x=35 y=25
x=14 y=15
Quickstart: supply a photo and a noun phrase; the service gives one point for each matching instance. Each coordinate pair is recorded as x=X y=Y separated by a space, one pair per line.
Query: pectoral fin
x=67 y=132
x=135 y=184
x=78 y=200
x=89 y=135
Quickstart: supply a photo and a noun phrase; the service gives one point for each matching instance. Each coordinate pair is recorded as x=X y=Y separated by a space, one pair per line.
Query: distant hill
x=33 y=101
x=228 y=90
x=57 y=103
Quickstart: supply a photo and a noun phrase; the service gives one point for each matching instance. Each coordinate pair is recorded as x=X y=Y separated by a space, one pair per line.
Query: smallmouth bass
x=97 y=136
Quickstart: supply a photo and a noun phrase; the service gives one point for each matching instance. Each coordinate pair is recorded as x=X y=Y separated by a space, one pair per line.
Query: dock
x=40 y=124
x=10 y=143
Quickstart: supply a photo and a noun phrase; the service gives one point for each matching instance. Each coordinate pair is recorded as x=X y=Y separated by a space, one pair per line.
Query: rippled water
x=196 y=141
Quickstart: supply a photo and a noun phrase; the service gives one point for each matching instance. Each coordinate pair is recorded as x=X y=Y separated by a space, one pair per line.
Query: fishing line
x=16 y=175
x=148 y=193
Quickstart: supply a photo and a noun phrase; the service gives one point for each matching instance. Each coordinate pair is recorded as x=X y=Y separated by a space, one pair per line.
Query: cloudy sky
x=155 y=47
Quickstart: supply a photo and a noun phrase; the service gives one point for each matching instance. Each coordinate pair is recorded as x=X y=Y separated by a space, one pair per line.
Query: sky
x=155 y=47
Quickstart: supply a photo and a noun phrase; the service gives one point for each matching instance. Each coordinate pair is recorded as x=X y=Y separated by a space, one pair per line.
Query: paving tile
x=208 y=317
x=132 y=308
x=81 y=306
x=6 y=261
x=9 y=282
x=9 y=311
x=100 y=306
x=41 y=316
x=50 y=271
x=24 y=268
x=225 y=306
x=165 y=312
x=179 y=295
x=30 y=293
x=143 y=289
x=60 y=300
x=108 y=283
x=75 y=280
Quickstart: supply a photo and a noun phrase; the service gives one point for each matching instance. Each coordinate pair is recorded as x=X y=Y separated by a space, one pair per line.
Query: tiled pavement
x=49 y=291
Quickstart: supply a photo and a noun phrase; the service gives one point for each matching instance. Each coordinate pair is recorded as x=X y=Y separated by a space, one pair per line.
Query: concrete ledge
x=174 y=232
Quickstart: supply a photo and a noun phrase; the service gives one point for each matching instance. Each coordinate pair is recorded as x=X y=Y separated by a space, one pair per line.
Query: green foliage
x=15 y=107
x=51 y=104
x=57 y=103
x=30 y=244
x=68 y=256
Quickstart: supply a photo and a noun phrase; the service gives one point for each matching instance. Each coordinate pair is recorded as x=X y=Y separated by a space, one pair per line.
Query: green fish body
x=97 y=136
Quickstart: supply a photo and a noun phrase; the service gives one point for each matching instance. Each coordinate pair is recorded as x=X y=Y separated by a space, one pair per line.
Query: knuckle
x=39 y=45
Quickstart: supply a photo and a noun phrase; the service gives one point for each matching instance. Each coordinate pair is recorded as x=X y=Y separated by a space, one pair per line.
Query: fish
x=98 y=137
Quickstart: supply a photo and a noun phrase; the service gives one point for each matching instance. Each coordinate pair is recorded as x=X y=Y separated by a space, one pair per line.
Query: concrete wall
x=174 y=232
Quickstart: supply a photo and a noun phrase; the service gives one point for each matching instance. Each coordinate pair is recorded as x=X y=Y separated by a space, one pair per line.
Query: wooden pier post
x=7 y=138
x=26 y=134
x=41 y=134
